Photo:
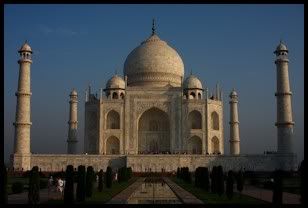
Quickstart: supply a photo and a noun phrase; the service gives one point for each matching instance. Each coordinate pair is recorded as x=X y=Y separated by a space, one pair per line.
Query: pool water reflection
x=153 y=193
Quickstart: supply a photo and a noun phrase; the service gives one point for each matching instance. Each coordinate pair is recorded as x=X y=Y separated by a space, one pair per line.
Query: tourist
x=60 y=186
x=116 y=177
x=50 y=184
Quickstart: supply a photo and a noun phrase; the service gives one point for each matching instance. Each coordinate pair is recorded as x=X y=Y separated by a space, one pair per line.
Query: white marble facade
x=154 y=117
x=154 y=109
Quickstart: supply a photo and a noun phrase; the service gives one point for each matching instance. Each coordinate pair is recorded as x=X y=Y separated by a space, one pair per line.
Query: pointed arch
x=215 y=120
x=153 y=131
x=113 y=120
x=192 y=95
x=112 y=146
x=194 y=145
x=215 y=145
x=199 y=96
x=115 y=95
x=195 y=120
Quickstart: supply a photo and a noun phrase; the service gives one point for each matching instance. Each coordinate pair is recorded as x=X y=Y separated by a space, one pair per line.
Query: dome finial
x=153 y=27
x=191 y=72
x=116 y=71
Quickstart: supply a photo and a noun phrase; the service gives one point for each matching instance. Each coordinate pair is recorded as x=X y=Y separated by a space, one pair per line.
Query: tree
x=240 y=181
x=220 y=181
x=5 y=185
x=178 y=172
x=198 y=177
x=129 y=172
x=229 y=185
x=277 y=188
x=90 y=177
x=214 y=180
x=302 y=189
x=100 y=180
x=108 y=177
x=81 y=184
x=205 y=179
x=34 y=186
x=69 y=185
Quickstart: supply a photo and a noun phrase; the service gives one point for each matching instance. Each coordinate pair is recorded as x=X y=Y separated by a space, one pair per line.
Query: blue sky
x=75 y=45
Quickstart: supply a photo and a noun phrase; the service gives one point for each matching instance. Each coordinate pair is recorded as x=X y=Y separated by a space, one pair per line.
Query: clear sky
x=75 y=45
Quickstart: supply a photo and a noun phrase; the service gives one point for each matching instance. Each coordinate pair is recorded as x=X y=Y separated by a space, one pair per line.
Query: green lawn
x=13 y=179
x=210 y=198
x=105 y=195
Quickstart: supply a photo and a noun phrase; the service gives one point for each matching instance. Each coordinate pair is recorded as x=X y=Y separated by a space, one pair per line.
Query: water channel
x=153 y=192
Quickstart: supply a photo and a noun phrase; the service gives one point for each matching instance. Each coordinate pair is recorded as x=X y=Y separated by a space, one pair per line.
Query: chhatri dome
x=115 y=82
x=192 y=82
x=25 y=47
x=154 y=63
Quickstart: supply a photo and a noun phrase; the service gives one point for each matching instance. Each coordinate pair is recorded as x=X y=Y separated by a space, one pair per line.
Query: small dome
x=281 y=47
x=233 y=93
x=192 y=82
x=25 y=47
x=74 y=92
x=115 y=82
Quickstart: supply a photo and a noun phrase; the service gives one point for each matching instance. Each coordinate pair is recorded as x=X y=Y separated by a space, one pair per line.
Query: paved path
x=185 y=196
x=266 y=195
x=122 y=197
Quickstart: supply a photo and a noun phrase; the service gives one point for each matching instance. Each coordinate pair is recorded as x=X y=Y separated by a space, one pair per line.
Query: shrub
x=206 y=179
x=129 y=172
x=5 y=185
x=277 y=187
x=43 y=184
x=229 y=185
x=26 y=174
x=17 y=187
x=122 y=174
x=220 y=180
x=214 y=180
x=198 y=177
x=69 y=185
x=108 y=177
x=100 y=180
x=178 y=172
x=34 y=186
x=186 y=175
x=240 y=181
x=302 y=186
x=90 y=178
x=81 y=184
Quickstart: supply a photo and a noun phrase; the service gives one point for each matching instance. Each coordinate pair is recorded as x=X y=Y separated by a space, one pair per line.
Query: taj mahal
x=154 y=118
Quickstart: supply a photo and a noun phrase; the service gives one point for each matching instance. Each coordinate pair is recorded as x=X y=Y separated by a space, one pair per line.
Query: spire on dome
x=153 y=27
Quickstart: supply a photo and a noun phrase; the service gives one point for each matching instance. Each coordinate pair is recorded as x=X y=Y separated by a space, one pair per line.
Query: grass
x=210 y=198
x=107 y=194
x=104 y=196
x=24 y=180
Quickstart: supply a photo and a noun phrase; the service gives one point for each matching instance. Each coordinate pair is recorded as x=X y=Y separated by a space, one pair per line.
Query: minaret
x=72 y=129
x=283 y=95
x=23 y=109
x=234 y=125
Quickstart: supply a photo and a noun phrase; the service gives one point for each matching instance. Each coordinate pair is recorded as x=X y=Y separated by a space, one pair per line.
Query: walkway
x=266 y=195
x=122 y=197
x=185 y=196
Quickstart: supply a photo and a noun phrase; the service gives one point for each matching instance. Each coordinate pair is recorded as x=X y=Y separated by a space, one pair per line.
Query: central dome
x=154 y=63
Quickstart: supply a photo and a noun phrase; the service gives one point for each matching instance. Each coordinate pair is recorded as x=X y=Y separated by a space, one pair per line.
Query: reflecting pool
x=157 y=192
